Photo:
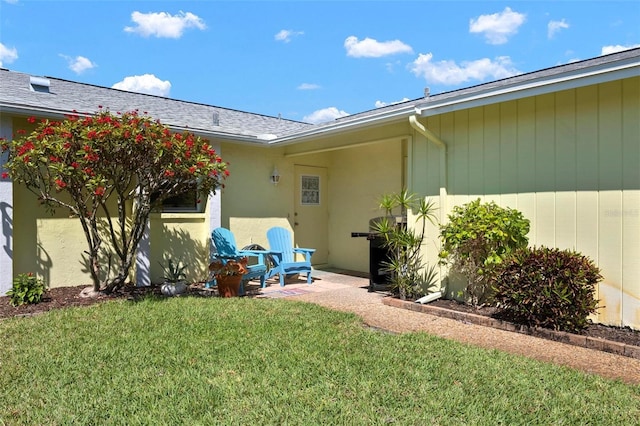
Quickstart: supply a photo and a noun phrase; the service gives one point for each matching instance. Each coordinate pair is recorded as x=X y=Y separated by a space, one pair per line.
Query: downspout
x=413 y=121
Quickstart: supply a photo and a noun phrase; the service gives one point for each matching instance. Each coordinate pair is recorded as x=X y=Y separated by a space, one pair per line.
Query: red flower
x=31 y=119
x=60 y=183
x=169 y=173
x=226 y=172
x=75 y=165
x=5 y=175
x=178 y=161
x=192 y=169
x=99 y=191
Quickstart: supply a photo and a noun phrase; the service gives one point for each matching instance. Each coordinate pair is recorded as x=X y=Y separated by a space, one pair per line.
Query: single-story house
x=561 y=145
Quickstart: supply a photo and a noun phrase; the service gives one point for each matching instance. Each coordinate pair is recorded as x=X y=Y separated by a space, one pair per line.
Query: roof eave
x=27 y=111
x=351 y=125
x=529 y=88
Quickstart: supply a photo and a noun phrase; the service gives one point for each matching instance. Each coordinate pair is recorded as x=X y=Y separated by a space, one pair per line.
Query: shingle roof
x=66 y=96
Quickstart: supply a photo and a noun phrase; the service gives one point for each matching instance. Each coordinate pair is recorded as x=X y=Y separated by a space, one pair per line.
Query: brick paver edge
x=558 y=336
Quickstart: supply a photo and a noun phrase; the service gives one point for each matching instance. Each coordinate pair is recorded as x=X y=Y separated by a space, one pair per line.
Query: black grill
x=378 y=254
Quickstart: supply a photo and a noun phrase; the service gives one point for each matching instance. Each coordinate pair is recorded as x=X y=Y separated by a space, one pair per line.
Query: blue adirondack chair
x=226 y=249
x=283 y=253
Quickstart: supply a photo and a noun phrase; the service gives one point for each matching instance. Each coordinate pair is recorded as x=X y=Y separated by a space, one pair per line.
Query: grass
x=246 y=361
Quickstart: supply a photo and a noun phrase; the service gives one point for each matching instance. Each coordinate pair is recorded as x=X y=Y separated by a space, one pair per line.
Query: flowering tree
x=83 y=163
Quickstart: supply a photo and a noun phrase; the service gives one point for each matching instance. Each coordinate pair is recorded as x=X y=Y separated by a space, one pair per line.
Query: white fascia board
x=27 y=111
x=529 y=88
x=338 y=127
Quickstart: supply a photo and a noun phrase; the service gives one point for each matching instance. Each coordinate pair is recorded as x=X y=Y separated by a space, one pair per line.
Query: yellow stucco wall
x=180 y=237
x=251 y=204
x=569 y=161
x=357 y=177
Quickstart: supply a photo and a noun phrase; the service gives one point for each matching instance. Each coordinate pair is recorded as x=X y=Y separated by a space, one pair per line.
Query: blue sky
x=306 y=60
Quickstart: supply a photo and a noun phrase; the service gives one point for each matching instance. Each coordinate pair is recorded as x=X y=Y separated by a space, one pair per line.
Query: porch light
x=275 y=176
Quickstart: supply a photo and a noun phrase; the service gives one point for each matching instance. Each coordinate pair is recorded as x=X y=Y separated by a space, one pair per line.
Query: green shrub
x=26 y=289
x=477 y=238
x=547 y=288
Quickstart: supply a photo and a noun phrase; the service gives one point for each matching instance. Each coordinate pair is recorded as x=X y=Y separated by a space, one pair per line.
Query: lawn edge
x=558 y=336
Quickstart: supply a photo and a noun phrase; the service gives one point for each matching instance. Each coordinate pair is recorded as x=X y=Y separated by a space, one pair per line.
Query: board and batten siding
x=570 y=162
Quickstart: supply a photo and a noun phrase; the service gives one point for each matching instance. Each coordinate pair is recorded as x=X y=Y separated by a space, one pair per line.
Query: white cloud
x=308 y=86
x=324 y=115
x=606 y=50
x=11 y=1
x=79 y=64
x=147 y=83
x=554 y=26
x=450 y=73
x=370 y=48
x=380 y=104
x=285 y=35
x=162 y=24
x=498 y=27
x=7 y=55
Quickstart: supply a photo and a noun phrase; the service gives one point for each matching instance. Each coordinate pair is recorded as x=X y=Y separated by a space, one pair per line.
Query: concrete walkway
x=349 y=293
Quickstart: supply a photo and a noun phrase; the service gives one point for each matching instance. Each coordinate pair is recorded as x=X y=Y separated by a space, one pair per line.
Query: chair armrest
x=253 y=252
x=307 y=252
x=277 y=256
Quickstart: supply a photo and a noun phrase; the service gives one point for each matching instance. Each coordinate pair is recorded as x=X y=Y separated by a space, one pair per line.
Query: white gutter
x=261 y=140
x=377 y=118
x=413 y=121
x=523 y=89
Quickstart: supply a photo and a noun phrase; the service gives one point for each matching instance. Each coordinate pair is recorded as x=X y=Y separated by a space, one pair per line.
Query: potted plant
x=174 y=278
x=228 y=275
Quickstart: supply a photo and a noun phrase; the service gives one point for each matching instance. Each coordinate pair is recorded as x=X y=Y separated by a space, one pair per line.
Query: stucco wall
x=251 y=204
x=569 y=162
x=181 y=237
x=359 y=176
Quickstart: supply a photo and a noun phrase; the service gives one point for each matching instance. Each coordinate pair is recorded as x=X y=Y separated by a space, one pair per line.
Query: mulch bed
x=615 y=334
x=64 y=297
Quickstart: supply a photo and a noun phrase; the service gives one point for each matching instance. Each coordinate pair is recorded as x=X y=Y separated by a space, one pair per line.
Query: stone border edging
x=545 y=333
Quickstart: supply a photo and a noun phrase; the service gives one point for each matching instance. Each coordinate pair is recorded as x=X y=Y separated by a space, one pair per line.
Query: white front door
x=311 y=214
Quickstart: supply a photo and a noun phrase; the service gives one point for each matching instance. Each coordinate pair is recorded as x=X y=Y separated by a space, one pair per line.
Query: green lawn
x=263 y=361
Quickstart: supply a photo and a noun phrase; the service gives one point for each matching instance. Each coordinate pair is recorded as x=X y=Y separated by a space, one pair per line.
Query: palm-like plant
x=408 y=279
